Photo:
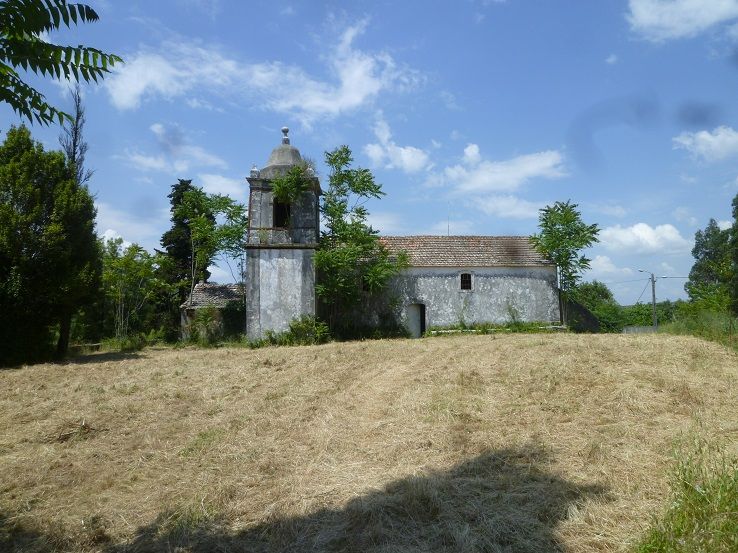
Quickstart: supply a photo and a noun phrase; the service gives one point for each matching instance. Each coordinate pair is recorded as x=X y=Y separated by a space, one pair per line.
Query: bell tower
x=280 y=244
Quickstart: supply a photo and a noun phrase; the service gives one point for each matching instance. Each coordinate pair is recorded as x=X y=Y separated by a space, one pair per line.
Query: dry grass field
x=483 y=443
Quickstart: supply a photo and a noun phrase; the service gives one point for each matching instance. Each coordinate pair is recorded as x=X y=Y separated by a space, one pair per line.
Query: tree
x=72 y=138
x=733 y=286
x=177 y=242
x=130 y=285
x=24 y=28
x=208 y=236
x=709 y=278
x=562 y=236
x=350 y=259
x=49 y=256
x=598 y=298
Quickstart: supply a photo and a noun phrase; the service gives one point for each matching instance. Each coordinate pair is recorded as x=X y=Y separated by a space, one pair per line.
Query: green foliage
x=304 y=331
x=216 y=224
x=49 y=255
x=234 y=319
x=711 y=325
x=733 y=245
x=24 y=28
x=206 y=329
x=351 y=261
x=641 y=314
x=702 y=516
x=130 y=287
x=562 y=236
x=176 y=265
x=598 y=299
x=290 y=187
x=710 y=276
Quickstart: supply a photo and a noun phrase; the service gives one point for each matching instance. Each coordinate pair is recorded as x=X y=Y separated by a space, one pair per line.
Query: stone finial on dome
x=282 y=158
x=254 y=171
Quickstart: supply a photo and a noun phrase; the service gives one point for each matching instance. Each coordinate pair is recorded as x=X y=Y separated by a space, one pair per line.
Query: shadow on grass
x=502 y=500
x=87 y=358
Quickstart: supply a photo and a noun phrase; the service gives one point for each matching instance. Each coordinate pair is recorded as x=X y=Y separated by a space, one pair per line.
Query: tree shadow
x=502 y=500
x=87 y=358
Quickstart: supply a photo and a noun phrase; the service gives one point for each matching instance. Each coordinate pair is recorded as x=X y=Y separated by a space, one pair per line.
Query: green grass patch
x=490 y=328
x=711 y=325
x=202 y=442
x=702 y=515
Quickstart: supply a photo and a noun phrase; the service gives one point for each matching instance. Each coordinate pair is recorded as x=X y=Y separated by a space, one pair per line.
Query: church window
x=466 y=281
x=281 y=215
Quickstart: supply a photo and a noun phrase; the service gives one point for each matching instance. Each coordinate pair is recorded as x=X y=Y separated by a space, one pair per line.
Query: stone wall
x=280 y=287
x=498 y=295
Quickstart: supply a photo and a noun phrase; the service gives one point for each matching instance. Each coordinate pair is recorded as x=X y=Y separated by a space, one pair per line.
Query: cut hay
x=469 y=443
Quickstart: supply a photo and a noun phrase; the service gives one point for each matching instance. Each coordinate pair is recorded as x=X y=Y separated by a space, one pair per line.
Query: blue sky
x=472 y=114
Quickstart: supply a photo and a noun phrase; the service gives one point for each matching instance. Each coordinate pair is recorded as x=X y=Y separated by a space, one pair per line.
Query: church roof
x=467 y=251
x=282 y=158
x=210 y=294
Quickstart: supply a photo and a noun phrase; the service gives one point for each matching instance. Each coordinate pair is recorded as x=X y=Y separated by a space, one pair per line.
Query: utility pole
x=653 y=296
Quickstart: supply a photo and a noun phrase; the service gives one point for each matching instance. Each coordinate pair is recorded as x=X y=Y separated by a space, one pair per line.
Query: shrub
x=304 y=331
x=234 y=319
x=206 y=327
x=702 y=515
x=711 y=325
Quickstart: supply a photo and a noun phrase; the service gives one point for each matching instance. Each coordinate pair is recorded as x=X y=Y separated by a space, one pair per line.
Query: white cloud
x=471 y=154
x=509 y=175
x=388 y=154
x=221 y=275
x=719 y=144
x=181 y=68
x=684 y=215
x=218 y=184
x=508 y=206
x=178 y=155
x=146 y=75
x=725 y=225
x=147 y=163
x=659 y=20
x=603 y=266
x=642 y=238
x=489 y=185
x=612 y=59
x=129 y=226
x=386 y=223
x=666 y=267
x=112 y=234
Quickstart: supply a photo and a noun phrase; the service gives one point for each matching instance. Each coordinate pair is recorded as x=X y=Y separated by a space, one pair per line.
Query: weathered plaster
x=498 y=295
x=280 y=288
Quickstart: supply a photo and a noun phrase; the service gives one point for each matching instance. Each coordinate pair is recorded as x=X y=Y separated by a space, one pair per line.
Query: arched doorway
x=416 y=319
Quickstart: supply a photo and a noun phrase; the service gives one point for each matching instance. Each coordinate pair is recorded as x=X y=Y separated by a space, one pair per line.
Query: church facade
x=451 y=280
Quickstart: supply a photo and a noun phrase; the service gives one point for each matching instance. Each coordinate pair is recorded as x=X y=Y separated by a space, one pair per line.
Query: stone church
x=451 y=279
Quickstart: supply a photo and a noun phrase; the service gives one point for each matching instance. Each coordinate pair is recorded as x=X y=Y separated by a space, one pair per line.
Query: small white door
x=416 y=319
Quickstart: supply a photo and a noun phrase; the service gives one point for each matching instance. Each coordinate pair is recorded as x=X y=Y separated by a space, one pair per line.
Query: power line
x=625 y=281
x=644 y=289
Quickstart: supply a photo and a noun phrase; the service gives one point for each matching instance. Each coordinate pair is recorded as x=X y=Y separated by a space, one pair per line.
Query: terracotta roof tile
x=210 y=294
x=467 y=251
